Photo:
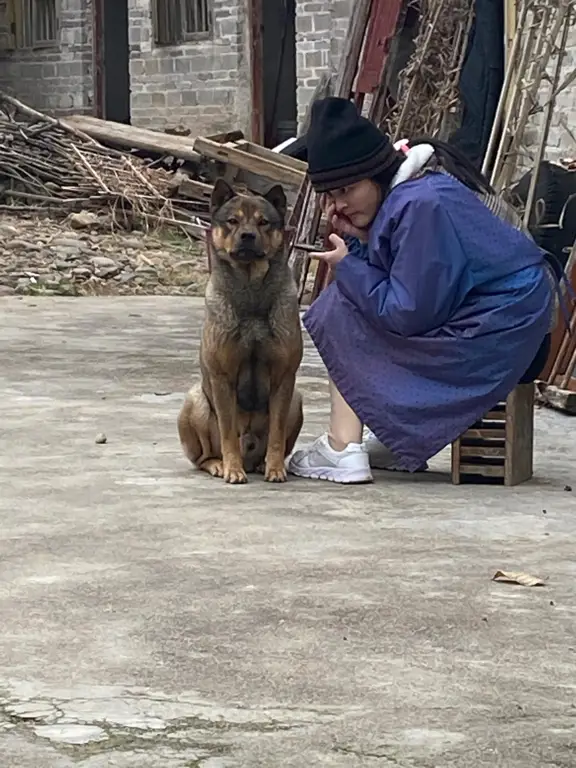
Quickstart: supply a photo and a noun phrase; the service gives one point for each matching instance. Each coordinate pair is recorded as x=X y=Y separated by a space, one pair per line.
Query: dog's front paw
x=235 y=475
x=275 y=474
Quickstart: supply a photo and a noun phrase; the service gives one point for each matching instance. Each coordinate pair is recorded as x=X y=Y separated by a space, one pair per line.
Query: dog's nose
x=247 y=237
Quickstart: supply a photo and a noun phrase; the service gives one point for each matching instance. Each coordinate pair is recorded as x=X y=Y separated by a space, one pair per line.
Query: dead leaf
x=515 y=577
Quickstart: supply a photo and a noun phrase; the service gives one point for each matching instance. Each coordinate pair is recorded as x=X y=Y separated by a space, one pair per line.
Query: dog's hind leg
x=198 y=431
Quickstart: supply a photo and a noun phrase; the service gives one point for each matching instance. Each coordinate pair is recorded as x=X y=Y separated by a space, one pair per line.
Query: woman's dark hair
x=457 y=164
x=452 y=160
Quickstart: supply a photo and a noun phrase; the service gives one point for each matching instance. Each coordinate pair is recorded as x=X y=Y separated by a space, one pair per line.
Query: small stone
x=32 y=711
x=71 y=734
x=25 y=245
x=50 y=279
x=66 y=242
x=8 y=231
x=126 y=276
x=23 y=284
x=83 y=220
x=132 y=242
x=7 y=290
x=101 y=439
x=67 y=253
x=102 y=262
x=568 y=488
x=62 y=266
x=108 y=272
x=82 y=273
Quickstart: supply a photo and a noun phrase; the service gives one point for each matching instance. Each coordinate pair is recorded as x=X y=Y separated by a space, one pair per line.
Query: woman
x=438 y=307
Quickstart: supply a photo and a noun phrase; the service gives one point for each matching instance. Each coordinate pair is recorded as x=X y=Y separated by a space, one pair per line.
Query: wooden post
x=519 y=463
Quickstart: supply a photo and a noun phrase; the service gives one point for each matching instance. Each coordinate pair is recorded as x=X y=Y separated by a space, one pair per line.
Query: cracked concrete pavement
x=153 y=617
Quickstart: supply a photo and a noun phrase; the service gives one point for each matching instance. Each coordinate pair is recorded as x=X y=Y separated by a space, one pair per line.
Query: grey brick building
x=162 y=63
x=166 y=63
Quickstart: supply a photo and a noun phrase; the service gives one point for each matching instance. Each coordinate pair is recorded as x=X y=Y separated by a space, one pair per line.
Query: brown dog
x=245 y=415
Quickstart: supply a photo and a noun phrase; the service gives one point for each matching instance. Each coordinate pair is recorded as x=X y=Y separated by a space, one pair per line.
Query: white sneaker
x=320 y=461
x=381 y=457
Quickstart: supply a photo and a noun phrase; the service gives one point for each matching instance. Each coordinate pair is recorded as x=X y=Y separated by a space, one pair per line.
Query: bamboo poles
x=536 y=40
x=548 y=113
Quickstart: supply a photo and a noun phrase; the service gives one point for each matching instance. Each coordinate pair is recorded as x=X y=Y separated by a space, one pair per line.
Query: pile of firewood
x=143 y=178
x=49 y=166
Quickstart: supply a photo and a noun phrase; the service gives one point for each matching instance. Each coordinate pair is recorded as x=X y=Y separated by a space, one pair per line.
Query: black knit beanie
x=343 y=147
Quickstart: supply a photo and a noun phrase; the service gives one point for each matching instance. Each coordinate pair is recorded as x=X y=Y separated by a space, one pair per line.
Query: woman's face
x=358 y=202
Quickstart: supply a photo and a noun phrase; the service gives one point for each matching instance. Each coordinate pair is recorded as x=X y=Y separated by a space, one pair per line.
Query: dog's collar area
x=247 y=255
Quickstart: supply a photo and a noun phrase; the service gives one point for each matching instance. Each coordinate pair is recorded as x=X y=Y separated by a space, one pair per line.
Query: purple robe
x=434 y=321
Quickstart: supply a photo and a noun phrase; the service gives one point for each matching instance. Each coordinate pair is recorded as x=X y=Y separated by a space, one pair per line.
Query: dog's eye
x=263 y=222
x=232 y=221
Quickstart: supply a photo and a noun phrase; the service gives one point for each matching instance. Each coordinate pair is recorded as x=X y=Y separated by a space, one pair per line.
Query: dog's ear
x=221 y=193
x=277 y=198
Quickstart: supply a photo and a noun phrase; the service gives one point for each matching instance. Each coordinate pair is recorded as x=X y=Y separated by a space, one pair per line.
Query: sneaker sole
x=349 y=477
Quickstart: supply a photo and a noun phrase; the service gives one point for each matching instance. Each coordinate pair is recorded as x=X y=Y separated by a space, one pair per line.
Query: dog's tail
x=253 y=387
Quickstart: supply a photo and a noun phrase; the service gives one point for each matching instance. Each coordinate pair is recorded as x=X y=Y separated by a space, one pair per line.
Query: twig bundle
x=46 y=165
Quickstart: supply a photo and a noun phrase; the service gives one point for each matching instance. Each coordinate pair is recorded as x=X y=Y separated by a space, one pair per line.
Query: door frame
x=98 y=57
x=256 y=54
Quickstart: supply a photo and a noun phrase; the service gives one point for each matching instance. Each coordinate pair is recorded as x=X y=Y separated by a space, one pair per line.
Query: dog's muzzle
x=247 y=249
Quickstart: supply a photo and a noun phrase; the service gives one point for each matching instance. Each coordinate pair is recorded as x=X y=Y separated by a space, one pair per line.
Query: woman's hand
x=333 y=258
x=341 y=223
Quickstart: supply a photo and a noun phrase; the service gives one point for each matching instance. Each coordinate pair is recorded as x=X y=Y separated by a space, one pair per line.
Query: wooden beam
x=352 y=48
x=274 y=171
x=129 y=137
x=275 y=157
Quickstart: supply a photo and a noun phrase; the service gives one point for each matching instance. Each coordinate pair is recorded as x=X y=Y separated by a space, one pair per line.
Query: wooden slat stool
x=499 y=448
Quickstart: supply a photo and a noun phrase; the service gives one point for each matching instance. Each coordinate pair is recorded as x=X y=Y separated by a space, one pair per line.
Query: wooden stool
x=499 y=448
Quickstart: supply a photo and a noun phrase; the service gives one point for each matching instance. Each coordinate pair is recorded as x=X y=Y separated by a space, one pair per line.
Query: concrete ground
x=153 y=617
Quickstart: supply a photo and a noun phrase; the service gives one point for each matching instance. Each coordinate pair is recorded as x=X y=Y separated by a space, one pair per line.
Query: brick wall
x=202 y=84
x=57 y=79
x=320 y=31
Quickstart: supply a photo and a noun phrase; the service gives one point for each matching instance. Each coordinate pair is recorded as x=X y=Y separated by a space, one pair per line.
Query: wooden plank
x=231 y=156
x=495 y=416
x=274 y=157
x=482 y=451
x=382 y=28
x=456 y=462
x=484 y=470
x=195 y=190
x=129 y=137
x=483 y=434
x=520 y=435
x=222 y=138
